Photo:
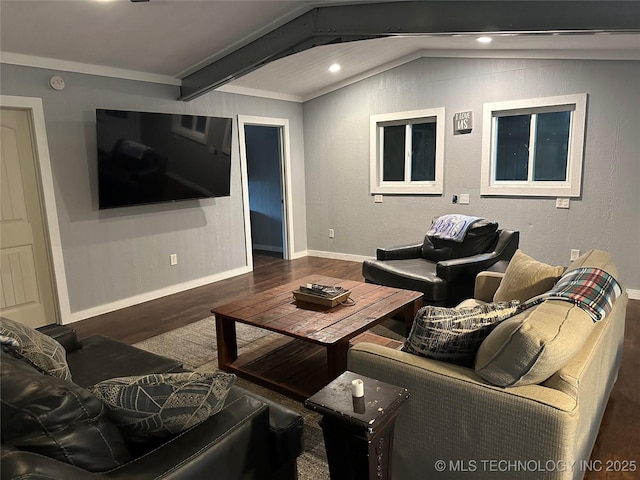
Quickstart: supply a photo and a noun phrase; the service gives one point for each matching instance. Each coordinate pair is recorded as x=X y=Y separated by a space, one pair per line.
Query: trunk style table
x=312 y=347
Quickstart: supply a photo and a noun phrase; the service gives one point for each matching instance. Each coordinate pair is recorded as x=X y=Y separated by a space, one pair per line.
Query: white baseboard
x=300 y=254
x=634 y=294
x=162 y=292
x=338 y=256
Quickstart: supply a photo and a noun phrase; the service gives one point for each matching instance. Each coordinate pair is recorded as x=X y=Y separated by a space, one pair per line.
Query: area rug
x=195 y=346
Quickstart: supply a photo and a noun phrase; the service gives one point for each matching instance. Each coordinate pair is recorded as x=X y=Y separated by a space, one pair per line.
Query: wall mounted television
x=159 y=157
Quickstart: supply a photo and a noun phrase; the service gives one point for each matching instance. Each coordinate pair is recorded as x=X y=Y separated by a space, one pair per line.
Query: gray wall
x=607 y=216
x=115 y=254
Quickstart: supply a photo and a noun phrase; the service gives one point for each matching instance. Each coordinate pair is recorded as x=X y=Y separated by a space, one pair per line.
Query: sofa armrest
x=211 y=446
x=454 y=415
x=399 y=253
x=66 y=336
x=21 y=464
x=285 y=428
x=451 y=269
x=505 y=246
x=380 y=359
x=487 y=284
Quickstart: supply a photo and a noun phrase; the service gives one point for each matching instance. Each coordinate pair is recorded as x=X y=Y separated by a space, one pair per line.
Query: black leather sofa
x=444 y=271
x=250 y=438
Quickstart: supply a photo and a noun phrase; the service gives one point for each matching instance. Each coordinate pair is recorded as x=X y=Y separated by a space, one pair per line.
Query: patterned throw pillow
x=158 y=405
x=36 y=348
x=455 y=334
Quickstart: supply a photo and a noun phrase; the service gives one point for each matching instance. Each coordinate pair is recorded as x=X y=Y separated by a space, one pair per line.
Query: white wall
x=117 y=257
x=606 y=216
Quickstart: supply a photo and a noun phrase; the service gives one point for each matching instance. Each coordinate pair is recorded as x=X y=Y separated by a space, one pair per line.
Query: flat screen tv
x=157 y=157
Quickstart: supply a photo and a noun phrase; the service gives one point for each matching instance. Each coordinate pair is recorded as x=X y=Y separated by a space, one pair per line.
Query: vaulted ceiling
x=283 y=49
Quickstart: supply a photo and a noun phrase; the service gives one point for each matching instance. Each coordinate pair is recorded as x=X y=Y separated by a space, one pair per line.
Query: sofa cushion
x=526 y=278
x=100 y=358
x=531 y=346
x=478 y=239
x=454 y=334
x=56 y=418
x=34 y=347
x=159 y=405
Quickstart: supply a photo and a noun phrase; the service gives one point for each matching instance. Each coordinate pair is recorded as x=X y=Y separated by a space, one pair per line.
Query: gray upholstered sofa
x=548 y=419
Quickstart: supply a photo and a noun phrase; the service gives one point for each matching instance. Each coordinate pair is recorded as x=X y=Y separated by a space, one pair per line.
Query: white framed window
x=533 y=147
x=191 y=126
x=407 y=152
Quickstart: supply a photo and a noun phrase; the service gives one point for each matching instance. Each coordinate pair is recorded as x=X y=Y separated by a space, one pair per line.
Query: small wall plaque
x=462 y=122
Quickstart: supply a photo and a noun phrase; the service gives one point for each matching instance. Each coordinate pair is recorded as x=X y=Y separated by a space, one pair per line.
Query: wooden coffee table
x=312 y=348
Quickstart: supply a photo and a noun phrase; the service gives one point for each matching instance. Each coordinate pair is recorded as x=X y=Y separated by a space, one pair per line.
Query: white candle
x=357 y=388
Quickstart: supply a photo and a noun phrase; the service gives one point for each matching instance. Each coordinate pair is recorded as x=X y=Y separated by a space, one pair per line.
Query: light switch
x=464 y=199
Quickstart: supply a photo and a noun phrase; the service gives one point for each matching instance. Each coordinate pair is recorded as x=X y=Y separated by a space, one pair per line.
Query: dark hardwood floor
x=619 y=435
x=148 y=319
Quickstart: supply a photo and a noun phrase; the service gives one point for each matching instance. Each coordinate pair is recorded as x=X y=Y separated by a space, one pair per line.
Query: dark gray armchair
x=443 y=270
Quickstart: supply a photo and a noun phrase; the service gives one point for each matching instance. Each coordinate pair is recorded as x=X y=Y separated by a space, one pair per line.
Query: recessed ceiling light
x=335 y=68
x=484 y=40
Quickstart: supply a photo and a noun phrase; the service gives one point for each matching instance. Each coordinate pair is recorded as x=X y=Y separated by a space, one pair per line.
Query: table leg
x=337 y=358
x=409 y=314
x=355 y=454
x=226 y=340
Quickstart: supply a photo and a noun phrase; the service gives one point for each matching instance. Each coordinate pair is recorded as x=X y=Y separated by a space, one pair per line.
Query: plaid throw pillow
x=159 y=405
x=39 y=350
x=455 y=334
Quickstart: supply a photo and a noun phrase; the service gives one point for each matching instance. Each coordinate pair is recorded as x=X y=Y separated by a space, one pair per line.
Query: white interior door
x=26 y=276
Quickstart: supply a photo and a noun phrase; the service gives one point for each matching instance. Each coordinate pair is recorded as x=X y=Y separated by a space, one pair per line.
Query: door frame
x=285 y=175
x=44 y=177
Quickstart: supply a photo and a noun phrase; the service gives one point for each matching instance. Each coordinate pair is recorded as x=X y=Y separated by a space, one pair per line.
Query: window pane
x=423 y=154
x=201 y=124
x=552 y=146
x=393 y=154
x=186 y=121
x=512 y=147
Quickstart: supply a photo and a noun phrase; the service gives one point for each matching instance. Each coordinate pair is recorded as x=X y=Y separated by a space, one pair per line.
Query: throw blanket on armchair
x=592 y=289
x=451 y=227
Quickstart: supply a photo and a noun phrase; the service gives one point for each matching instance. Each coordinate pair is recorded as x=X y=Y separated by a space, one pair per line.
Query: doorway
x=264 y=147
x=264 y=158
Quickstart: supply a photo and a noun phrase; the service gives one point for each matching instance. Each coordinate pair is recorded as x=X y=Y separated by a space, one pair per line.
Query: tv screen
x=157 y=157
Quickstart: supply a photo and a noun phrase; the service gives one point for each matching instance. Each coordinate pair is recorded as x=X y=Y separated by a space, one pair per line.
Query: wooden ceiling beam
x=344 y=23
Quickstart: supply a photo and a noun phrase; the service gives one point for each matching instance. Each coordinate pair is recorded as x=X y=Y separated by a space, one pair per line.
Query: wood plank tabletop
x=276 y=310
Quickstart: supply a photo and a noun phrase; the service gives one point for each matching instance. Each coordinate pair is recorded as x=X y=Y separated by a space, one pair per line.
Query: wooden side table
x=358 y=432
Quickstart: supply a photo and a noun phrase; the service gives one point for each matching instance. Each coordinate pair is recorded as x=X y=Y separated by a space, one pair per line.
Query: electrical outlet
x=575 y=253
x=377 y=198
x=562 y=203
x=173 y=259
x=332 y=234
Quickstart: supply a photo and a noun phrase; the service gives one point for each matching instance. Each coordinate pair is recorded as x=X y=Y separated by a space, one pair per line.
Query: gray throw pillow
x=159 y=405
x=34 y=347
x=455 y=334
